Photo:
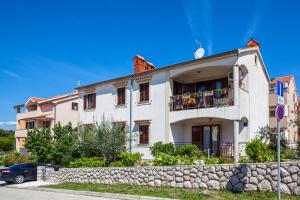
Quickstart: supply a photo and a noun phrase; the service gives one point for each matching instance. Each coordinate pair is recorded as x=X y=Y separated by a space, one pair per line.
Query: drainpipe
x=130 y=116
x=236 y=123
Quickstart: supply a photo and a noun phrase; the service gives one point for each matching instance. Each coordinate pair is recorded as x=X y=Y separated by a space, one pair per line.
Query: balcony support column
x=236 y=123
x=236 y=130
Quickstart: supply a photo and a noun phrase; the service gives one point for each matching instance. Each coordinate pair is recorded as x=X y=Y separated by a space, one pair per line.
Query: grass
x=174 y=193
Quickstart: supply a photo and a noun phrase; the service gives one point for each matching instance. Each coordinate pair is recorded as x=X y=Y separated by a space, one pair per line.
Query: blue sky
x=46 y=47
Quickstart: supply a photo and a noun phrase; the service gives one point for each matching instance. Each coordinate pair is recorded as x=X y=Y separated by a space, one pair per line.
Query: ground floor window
x=144 y=134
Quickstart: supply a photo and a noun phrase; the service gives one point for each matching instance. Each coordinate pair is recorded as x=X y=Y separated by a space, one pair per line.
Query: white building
x=217 y=102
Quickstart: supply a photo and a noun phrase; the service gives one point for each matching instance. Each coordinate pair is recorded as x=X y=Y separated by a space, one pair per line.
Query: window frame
x=74 y=106
x=89 y=105
x=143 y=96
x=144 y=139
x=29 y=122
x=46 y=121
x=121 y=101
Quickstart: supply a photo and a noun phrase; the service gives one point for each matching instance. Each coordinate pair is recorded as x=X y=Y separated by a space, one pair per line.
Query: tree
x=105 y=139
x=7 y=140
x=65 y=144
x=40 y=143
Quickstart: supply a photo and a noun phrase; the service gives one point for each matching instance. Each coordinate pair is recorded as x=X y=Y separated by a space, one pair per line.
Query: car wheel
x=19 y=179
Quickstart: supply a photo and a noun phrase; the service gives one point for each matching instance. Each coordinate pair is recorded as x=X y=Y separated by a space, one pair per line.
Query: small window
x=144 y=134
x=144 y=92
x=121 y=96
x=30 y=125
x=46 y=124
x=74 y=106
x=272 y=113
x=89 y=101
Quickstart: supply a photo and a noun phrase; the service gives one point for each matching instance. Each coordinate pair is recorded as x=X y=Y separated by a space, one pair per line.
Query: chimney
x=253 y=43
x=141 y=65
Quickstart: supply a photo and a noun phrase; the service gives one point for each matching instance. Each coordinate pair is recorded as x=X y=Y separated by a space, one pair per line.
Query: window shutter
x=146 y=92
x=84 y=101
x=94 y=100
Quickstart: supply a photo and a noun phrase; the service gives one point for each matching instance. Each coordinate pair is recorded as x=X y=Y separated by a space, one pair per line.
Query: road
x=9 y=193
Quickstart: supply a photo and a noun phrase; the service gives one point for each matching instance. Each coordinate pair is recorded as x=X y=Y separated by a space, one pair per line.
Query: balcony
x=207 y=99
x=21 y=133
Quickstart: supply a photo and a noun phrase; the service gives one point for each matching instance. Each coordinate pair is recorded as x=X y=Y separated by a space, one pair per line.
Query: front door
x=207 y=137
x=197 y=137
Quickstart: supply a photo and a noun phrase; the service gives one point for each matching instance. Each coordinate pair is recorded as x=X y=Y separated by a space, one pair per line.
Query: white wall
x=258 y=93
x=64 y=113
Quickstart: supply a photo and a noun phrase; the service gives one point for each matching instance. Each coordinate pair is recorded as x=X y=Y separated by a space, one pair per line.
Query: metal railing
x=221 y=150
x=206 y=99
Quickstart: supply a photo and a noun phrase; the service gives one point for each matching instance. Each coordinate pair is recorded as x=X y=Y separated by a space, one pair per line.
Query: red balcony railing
x=206 y=99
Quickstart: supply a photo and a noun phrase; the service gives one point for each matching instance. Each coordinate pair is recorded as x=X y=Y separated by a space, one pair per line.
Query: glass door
x=211 y=139
x=207 y=139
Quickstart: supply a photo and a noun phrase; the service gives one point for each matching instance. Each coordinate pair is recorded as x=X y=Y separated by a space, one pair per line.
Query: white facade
x=237 y=122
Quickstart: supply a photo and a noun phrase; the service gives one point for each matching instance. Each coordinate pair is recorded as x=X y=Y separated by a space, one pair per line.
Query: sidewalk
x=98 y=194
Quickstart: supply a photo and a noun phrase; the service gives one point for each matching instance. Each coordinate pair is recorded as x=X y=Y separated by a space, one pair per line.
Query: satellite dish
x=199 y=53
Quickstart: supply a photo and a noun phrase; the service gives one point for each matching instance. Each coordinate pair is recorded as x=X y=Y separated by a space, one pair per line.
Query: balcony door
x=207 y=137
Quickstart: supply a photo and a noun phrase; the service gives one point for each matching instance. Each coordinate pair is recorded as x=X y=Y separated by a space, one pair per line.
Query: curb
x=97 y=194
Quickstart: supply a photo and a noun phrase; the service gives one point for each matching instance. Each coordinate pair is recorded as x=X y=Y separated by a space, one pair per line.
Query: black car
x=19 y=173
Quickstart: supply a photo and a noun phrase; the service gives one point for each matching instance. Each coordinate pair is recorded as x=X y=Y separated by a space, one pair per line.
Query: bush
x=6 y=143
x=244 y=160
x=215 y=160
x=159 y=148
x=117 y=164
x=87 y=162
x=130 y=159
x=289 y=154
x=14 y=157
x=189 y=150
x=165 y=160
x=259 y=151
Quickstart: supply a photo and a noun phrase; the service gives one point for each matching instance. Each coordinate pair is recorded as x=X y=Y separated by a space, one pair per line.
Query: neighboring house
x=289 y=126
x=217 y=102
x=44 y=113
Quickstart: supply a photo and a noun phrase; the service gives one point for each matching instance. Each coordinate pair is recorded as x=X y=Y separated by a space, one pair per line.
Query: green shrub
x=159 y=148
x=165 y=160
x=117 y=164
x=259 y=151
x=289 y=154
x=6 y=143
x=130 y=159
x=215 y=160
x=189 y=150
x=14 y=157
x=244 y=160
x=87 y=162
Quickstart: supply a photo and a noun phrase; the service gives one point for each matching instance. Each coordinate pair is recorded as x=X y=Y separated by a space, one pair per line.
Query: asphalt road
x=8 y=193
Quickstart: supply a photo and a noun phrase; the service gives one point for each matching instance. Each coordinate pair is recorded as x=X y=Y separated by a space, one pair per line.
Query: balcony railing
x=223 y=150
x=206 y=99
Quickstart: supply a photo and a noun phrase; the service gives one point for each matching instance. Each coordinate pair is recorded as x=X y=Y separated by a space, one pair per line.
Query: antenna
x=199 y=53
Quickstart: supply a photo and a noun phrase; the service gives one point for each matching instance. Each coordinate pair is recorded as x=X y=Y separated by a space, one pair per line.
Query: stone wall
x=235 y=177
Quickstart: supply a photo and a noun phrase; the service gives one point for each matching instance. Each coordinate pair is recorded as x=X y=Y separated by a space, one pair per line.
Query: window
x=30 y=125
x=121 y=96
x=74 y=106
x=46 y=124
x=144 y=134
x=144 y=92
x=272 y=113
x=89 y=101
x=29 y=166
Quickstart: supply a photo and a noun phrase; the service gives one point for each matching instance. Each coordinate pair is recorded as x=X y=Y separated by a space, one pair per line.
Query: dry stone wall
x=235 y=177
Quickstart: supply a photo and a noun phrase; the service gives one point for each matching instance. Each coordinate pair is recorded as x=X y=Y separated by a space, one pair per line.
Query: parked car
x=19 y=173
